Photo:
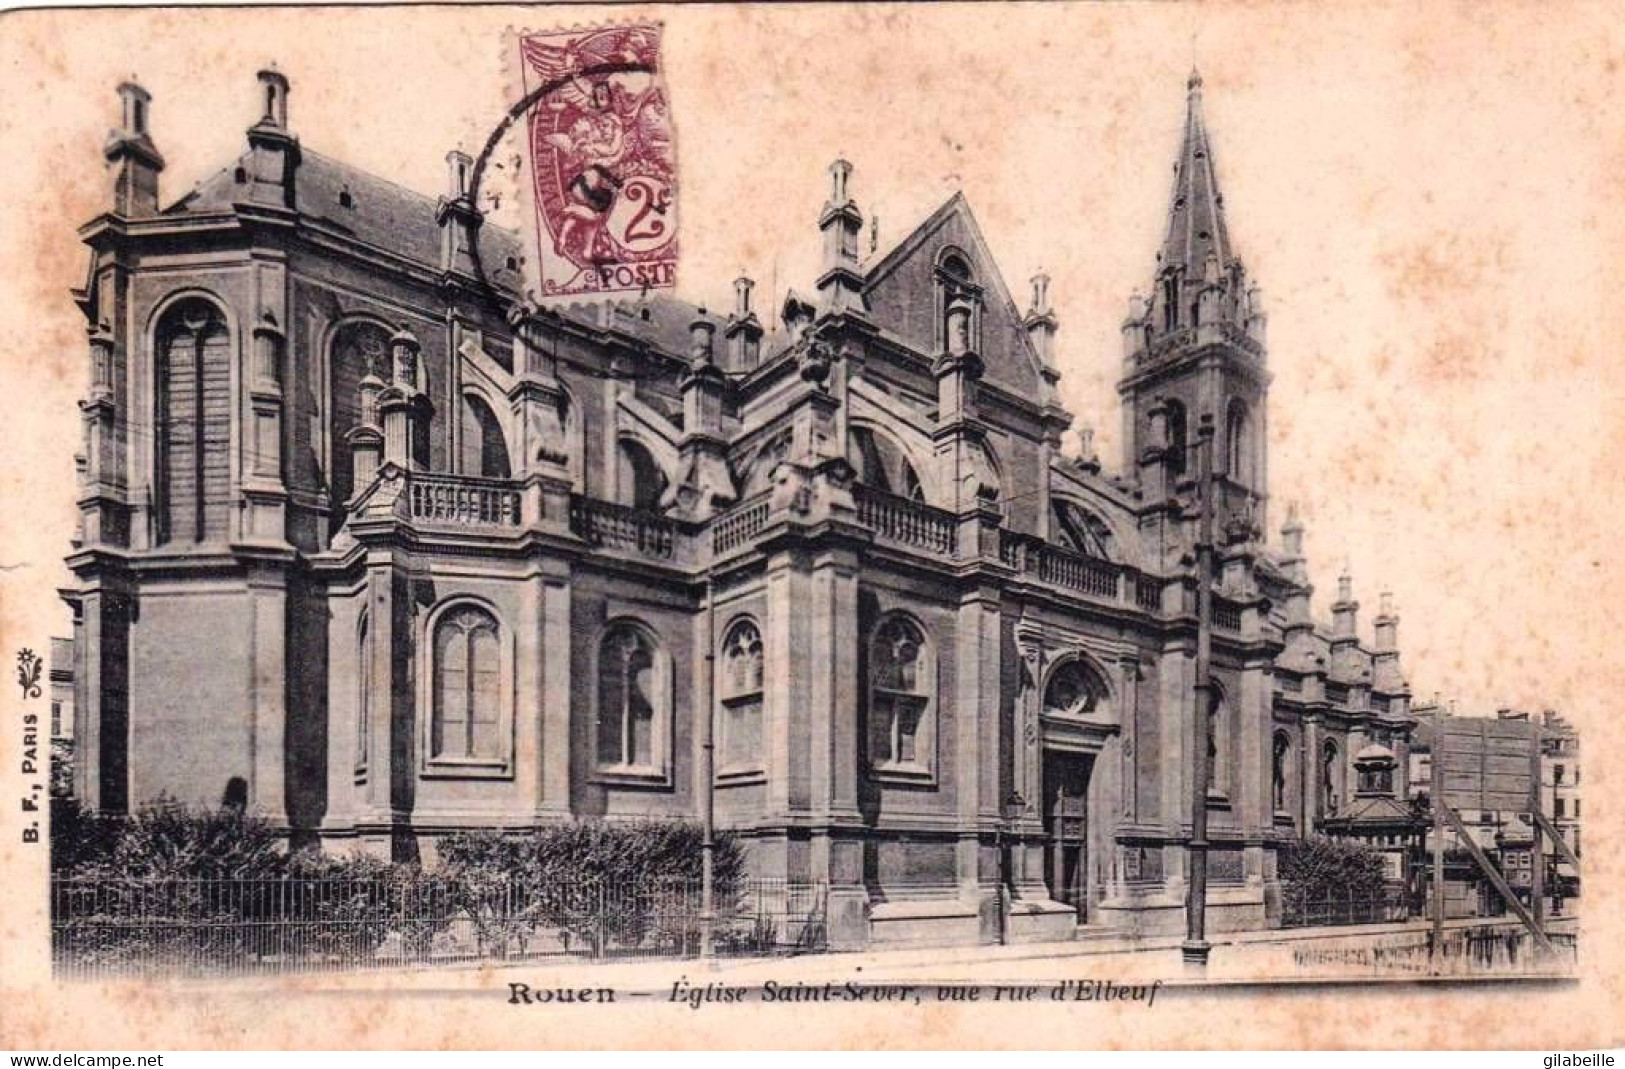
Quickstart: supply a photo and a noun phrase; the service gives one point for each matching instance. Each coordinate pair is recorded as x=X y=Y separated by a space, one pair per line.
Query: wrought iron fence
x=116 y=927
x=1342 y=907
x=1463 y=952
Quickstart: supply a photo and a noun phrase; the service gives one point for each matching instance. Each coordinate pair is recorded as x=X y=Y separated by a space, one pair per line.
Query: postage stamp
x=603 y=174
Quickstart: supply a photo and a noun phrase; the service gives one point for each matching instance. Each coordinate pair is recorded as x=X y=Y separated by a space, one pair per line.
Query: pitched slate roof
x=380 y=213
x=402 y=221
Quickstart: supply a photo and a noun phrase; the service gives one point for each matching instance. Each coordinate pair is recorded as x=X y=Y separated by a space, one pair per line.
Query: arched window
x=1081 y=530
x=363 y=693
x=193 y=434
x=881 y=464
x=633 y=697
x=1218 y=743
x=640 y=481
x=1178 y=436
x=1282 y=747
x=759 y=474
x=485 y=450
x=988 y=481
x=466 y=717
x=741 y=690
x=1331 y=779
x=1074 y=689
x=902 y=690
x=357 y=348
x=1238 y=443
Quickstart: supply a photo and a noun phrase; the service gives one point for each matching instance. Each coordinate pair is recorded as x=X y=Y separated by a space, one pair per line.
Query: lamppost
x=1194 y=950
x=1014 y=806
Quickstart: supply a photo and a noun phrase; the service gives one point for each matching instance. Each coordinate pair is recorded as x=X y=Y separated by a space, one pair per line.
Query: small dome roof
x=1374 y=753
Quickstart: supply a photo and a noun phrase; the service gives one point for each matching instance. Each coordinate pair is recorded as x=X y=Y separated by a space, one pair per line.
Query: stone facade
x=377 y=547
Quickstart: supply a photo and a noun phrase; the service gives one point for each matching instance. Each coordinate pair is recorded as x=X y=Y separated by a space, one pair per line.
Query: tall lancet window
x=1238 y=443
x=1079 y=529
x=634 y=702
x=1218 y=743
x=1178 y=437
x=467 y=686
x=741 y=690
x=192 y=496
x=902 y=693
x=1331 y=779
x=1282 y=748
x=485 y=449
x=363 y=694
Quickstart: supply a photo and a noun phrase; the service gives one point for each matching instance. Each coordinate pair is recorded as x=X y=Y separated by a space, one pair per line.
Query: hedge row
x=172 y=881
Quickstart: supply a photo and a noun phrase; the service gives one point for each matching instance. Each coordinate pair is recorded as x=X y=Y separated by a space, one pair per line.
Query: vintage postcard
x=846 y=525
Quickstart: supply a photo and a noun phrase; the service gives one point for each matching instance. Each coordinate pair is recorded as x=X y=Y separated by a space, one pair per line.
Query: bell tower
x=1195 y=346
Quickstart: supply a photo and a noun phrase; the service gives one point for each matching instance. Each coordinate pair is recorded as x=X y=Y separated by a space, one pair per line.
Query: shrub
x=79 y=838
x=354 y=903
x=595 y=883
x=1320 y=867
x=167 y=841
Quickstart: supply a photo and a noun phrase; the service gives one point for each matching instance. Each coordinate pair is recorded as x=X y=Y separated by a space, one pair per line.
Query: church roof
x=1012 y=361
x=1196 y=222
x=403 y=221
x=379 y=212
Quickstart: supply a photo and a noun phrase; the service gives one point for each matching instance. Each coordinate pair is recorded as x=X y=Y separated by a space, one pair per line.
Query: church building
x=373 y=545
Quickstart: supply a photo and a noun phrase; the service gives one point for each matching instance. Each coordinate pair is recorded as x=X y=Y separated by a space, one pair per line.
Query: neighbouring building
x=373 y=545
x=61 y=678
x=1507 y=837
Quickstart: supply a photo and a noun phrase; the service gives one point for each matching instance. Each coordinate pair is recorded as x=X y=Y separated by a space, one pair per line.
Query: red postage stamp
x=602 y=160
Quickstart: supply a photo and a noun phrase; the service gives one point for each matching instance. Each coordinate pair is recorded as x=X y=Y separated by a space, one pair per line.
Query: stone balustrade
x=462 y=501
x=901 y=520
x=606 y=525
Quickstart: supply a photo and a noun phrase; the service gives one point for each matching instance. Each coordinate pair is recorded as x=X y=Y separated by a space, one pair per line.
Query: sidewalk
x=1238 y=957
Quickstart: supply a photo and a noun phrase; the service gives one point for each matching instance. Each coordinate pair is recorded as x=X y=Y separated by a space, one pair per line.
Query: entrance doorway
x=1066 y=823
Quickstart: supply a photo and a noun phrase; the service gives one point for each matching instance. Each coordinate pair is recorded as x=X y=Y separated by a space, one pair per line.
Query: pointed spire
x=1196 y=223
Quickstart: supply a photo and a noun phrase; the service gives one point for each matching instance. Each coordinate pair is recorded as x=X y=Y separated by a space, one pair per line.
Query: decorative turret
x=703 y=483
x=1345 y=610
x=459 y=219
x=100 y=492
x=403 y=406
x=134 y=158
x=366 y=438
x=1088 y=458
x=743 y=333
x=796 y=315
x=272 y=163
x=1292 y=558
x=1134 y=327
x=265 y=499
x=1299 y=624
x=1041 y=325
x=1386 y=676
x=1257 y=320
x=1347 y=664
x=840 y=287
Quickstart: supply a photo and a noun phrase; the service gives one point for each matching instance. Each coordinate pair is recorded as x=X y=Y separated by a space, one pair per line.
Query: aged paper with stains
x=1430 y=199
